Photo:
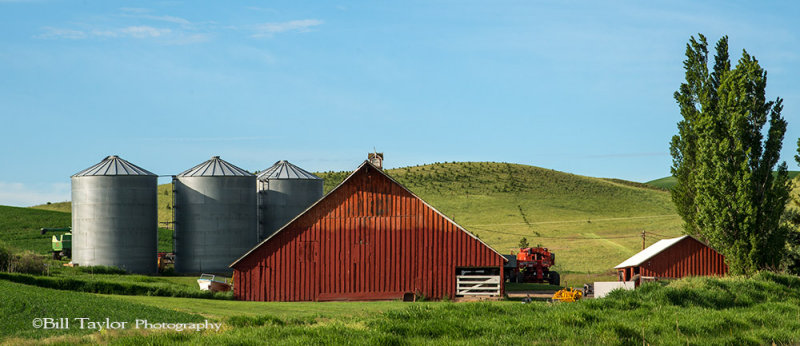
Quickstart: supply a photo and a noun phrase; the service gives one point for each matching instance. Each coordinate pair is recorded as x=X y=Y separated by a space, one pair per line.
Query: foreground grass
x=21 y=304
x=285 y=310
x=696 y=311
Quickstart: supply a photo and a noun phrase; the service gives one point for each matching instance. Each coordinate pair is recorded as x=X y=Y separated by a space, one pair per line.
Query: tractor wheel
x=554 y=279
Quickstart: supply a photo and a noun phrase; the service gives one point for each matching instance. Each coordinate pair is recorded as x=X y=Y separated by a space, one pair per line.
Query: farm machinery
x=532 y=265
x=568 y=294
x=61 y=244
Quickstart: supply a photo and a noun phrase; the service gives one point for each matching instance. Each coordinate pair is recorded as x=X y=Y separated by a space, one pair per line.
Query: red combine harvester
x=532 y=264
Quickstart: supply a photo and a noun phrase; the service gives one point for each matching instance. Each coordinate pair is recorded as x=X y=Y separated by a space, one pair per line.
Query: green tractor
x=62 y=244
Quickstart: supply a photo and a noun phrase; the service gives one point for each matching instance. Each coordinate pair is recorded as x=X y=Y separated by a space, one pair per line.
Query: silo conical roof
x=215 y=167
x=113 y=165
x=285 y=170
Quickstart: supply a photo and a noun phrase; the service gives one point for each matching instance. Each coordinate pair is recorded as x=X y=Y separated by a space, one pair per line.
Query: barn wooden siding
x=368 y=239
x=688 y=257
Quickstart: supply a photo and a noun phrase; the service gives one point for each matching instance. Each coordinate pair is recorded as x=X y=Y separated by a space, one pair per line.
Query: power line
x=569 y=237
x=562 y=238
x=658 y=235
x=575 y=221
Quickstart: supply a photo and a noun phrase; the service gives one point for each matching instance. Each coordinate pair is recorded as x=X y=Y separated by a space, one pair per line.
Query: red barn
x=369 y=238
x=673 y=258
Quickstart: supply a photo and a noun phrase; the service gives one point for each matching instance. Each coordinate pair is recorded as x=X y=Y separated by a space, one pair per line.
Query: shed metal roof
x=285 y=170
x=649 y=252
x=215 y=167
x=113 y=165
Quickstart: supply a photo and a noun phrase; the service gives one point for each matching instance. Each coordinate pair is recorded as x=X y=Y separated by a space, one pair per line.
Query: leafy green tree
x=791 y=220
x=726 y=192
x=523 y=243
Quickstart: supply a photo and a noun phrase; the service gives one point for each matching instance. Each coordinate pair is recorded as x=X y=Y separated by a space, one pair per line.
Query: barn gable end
x=369 y=238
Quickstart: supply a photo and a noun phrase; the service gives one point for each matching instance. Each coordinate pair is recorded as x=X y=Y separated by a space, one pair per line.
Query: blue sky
x=578 y=86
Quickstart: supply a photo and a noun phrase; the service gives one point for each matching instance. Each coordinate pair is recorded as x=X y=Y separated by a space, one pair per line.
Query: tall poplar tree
x=726 y=193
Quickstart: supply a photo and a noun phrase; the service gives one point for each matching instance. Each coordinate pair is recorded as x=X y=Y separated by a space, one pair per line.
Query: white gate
x=477 y=285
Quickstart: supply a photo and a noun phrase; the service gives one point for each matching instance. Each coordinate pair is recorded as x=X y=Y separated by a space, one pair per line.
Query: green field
x=22 y=303
x=669 y=182
x=19 y=227
x=763 y=309
x=664 y=183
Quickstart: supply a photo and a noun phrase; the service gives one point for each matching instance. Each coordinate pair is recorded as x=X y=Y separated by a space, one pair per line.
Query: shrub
x=102 y=270
x=5 y=256
x=29 y=263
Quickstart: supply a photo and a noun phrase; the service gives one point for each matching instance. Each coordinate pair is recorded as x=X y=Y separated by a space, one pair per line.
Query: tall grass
x=21 y=304
x=103 y=284
x=696 y=311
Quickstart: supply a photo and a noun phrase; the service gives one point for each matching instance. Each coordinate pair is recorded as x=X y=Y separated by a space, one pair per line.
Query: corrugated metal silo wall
x=370 y=236
x=215 y=222
x=281 y=200
x=688 y=257
x=115 y=222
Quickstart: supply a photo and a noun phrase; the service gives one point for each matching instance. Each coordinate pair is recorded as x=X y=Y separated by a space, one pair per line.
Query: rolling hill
x=670 y=181
x=19 y=227
x=591 y=224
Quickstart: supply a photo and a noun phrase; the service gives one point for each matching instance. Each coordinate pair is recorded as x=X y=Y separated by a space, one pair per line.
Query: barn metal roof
x=215 y=167
x=649 y=252
x=365 y=163
x=113 y=165
x=285 y=170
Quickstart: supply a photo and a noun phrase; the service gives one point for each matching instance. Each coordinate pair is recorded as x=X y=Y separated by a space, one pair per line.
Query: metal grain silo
x=114 y=217
x=215 y=216
x=284 y=191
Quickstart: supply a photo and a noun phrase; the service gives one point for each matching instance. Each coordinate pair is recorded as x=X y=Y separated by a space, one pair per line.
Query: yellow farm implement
x=568 y=294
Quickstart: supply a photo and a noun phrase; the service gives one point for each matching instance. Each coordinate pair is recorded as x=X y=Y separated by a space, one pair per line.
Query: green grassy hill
x=664 y=183
x=669 y=182
x=64 y=207
x=19 y=227
x=591 y=223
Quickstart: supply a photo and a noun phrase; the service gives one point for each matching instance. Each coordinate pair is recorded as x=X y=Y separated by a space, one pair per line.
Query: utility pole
x=643 y=237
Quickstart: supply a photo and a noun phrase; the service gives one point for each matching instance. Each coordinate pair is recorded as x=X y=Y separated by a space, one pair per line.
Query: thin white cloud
x=140 y=31
x=301 y=25
x=184 y=38
x=204 y=139
x=169 y=19
x=135 y=10
x=58 y=33
x=165 y=18
x=25 y=195
x=144 y=31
